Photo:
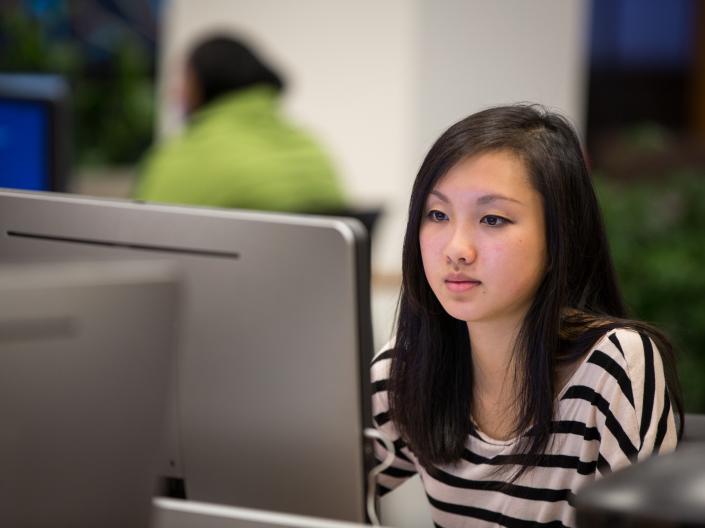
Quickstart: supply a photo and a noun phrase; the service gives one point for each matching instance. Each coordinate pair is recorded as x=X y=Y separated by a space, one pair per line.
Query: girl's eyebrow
x=482 y=200
x=440 y=195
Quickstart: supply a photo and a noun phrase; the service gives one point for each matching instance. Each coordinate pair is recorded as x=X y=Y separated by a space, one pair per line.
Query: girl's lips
x=461 y=285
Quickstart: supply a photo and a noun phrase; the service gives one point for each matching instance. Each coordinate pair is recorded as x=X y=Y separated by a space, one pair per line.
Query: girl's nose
x=461 y=248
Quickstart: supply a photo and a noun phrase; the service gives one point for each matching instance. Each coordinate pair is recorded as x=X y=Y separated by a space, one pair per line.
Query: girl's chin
x=462 y=313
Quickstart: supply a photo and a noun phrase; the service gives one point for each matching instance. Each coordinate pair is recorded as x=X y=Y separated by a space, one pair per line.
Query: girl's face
x=482 y=239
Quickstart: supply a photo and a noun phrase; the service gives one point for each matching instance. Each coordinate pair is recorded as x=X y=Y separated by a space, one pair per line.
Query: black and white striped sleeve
x=403 y=466
x=637 y=419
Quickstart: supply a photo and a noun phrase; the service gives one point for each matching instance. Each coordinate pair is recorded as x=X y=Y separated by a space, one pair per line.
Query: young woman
x=514 y=377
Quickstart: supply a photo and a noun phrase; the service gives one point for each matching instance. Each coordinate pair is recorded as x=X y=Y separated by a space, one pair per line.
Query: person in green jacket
x=238 y=150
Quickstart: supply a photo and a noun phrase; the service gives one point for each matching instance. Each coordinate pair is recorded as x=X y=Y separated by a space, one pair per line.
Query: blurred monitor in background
x=34 y=132
x=85 y=362
x=238 y=149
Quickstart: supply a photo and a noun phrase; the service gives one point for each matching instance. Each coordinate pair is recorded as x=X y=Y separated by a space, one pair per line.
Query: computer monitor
x=170 y=513
x=34 y=132
x=85 y=354
x=272 y=386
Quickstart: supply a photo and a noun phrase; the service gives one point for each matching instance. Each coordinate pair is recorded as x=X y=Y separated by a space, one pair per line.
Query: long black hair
x=578 y=300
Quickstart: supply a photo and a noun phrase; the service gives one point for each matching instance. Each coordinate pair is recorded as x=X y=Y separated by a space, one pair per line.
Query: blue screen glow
x=23 y=145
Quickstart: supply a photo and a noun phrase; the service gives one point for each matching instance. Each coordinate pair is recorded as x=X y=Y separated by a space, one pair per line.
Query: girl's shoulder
x=622 y=356
x=628 y=347
x=623 y=380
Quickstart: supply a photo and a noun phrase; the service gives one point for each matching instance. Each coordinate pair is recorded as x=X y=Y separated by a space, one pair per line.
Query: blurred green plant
x=657 y=235
x=112 y=105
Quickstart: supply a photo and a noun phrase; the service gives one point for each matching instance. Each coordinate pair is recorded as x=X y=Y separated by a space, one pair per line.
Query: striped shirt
x=613 y=411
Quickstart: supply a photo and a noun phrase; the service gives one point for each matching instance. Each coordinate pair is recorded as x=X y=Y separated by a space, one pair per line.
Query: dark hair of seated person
x=220 y=65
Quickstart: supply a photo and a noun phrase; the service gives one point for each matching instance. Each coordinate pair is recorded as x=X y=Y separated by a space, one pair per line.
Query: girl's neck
x=494 y=391
x=492 y=347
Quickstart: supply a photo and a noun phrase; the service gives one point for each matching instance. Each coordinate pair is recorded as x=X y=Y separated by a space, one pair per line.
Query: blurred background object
x=107 y=51
x=238 y=148
x=646 y=141
x=661 y=492
x=657 y=234
x=35 y=150
x=646 y=88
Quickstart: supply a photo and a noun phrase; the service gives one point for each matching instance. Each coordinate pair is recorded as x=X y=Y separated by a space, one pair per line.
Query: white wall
x=476 y=54
x=378 y=81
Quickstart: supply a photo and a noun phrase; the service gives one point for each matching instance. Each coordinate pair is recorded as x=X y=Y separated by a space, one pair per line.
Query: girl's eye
x=436 y=216
x=494 y=220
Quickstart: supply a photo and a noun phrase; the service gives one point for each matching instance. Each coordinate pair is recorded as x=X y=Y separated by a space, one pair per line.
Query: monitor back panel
x=85 y=354
x=270 y=400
